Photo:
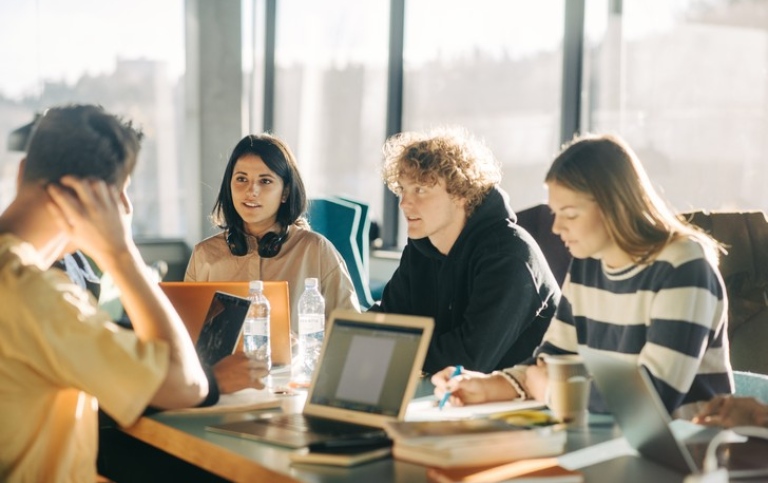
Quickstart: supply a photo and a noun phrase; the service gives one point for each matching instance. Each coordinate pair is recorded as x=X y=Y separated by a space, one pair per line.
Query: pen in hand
x=444 y=399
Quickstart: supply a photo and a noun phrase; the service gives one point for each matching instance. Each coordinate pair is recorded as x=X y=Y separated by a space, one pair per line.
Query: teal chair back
x=340 y=222
x=363 y=232
x=751 y=384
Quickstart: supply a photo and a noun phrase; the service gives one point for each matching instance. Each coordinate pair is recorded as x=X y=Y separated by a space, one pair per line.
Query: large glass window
x=494 y=67
x=330 y=93
x=685 y=83
x=125 y=56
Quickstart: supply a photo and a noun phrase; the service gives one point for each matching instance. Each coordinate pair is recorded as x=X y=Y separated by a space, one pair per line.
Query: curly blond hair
x=466 y=165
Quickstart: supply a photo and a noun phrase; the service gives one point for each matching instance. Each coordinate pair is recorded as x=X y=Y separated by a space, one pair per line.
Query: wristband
x=522 y=393
x=213 y=388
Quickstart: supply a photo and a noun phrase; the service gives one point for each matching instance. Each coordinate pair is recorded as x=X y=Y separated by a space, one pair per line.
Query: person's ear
x=126 y=201
x=286 y=191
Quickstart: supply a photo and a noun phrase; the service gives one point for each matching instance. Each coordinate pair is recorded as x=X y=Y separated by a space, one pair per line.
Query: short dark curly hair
x=82 y=140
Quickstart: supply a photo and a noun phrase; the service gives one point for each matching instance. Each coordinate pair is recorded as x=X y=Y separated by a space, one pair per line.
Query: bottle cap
x=256 y=285
x=310 y=282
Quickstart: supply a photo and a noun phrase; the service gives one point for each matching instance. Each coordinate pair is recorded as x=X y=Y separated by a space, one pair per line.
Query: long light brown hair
x=641 y=223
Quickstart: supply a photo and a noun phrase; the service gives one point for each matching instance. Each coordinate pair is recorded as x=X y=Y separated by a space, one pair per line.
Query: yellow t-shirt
x=60 y=357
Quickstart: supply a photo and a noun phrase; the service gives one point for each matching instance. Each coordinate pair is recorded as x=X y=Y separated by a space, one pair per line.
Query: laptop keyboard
x=295 y=422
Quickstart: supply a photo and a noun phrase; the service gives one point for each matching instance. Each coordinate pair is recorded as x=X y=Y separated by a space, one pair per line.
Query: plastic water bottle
x=256 y=326
x=311 y=332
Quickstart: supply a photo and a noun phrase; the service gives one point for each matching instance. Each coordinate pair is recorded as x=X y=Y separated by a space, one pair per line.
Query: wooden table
x=237 y=459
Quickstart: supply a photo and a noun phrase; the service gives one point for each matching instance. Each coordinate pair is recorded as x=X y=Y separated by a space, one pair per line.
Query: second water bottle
x=311 y=333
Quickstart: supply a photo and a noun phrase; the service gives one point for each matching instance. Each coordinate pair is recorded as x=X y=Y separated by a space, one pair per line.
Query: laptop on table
x=630 y=395
x=192 y=300
x=366 y=375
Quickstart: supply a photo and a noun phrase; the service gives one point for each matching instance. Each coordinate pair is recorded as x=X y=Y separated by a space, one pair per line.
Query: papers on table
x=425 y=409
x=244 y=400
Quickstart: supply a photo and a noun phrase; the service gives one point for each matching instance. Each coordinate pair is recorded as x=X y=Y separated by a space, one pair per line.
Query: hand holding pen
x=471 y=388
x=444 y=399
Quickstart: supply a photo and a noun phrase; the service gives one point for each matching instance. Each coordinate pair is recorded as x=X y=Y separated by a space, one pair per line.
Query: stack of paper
x=248 y=399
x=472 y=441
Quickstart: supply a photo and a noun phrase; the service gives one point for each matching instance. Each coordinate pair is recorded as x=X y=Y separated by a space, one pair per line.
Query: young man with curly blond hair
x=467 y=263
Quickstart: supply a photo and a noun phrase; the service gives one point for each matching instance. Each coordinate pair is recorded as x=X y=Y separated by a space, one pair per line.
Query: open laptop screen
x=366 y=366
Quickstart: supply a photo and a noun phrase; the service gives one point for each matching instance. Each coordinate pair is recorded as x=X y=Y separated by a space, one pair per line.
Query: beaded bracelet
x=522 y=394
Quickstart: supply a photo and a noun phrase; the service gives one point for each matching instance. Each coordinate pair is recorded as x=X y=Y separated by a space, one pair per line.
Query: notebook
x=366 y=375
x=629 y=394
x=192 y=299
x=222 y=327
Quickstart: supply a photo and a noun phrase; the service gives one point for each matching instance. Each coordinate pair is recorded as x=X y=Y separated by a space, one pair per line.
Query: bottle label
x=256 y=340
x=257 y=326
x=311 y=323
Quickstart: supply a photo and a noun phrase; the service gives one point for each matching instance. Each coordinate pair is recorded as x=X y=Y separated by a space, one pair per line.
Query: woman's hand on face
x=237 y=372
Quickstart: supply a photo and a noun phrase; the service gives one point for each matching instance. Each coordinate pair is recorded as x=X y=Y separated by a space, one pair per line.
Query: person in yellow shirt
x=61 y=358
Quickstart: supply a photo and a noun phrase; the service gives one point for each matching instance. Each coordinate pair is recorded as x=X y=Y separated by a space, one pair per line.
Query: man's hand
x=729 y=411
x=94 y=217
x=237 y=372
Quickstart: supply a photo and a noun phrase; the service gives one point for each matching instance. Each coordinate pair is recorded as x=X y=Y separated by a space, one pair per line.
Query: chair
x=364 y=243
x=537 y=220
x=751 y=384
x=363 y=230
x=745 y=273
x=339 y=221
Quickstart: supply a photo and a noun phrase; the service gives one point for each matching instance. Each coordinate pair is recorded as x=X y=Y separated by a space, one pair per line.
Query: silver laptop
x=366 y=375
x=629 y=393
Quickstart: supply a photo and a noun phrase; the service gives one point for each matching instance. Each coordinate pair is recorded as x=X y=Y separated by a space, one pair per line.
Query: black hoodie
x=492 y=296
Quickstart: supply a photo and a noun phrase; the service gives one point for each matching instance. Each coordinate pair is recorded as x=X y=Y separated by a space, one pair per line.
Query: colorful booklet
x=542 y=470
x=222 y=327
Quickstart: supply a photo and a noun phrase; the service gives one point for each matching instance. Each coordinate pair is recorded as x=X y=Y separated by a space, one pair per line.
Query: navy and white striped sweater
x=669 y=315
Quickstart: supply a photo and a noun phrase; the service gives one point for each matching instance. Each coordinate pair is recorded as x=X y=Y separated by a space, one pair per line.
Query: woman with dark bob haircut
x=261 y=210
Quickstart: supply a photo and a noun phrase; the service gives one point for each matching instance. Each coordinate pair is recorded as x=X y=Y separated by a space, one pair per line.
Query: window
x=126 y=56
x=685 y=84
x=330 y=93
x=494 y=67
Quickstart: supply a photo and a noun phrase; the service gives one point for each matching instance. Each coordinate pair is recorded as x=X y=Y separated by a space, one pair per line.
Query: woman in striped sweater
x=643 y=286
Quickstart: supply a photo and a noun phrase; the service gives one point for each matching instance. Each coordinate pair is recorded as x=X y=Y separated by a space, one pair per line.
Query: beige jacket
x=304 y=254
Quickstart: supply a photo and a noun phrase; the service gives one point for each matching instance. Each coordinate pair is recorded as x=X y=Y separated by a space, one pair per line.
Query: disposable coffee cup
x=568 y=385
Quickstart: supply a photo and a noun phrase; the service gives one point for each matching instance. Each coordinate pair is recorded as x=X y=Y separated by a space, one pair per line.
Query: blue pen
x=456 y=372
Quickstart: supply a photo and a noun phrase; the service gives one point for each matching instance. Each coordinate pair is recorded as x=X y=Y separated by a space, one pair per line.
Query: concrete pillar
x=213 y=98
